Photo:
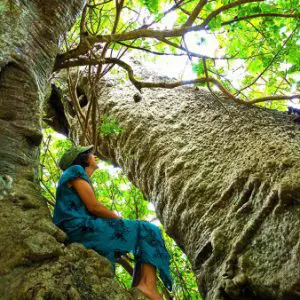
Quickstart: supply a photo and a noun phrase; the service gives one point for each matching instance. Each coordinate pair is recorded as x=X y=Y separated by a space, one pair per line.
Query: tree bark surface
x=35 y=263
x=225 y=182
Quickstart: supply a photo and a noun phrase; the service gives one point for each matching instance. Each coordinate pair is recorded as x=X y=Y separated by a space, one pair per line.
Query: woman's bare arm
x=88 y=197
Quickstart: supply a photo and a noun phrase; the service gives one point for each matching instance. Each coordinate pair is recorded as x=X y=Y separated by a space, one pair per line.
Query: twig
x=99 y=4
x=271 y=62
x=52 y=195
x=273 y=98
x=195 y=13
x=211 y=91
x=236 y=19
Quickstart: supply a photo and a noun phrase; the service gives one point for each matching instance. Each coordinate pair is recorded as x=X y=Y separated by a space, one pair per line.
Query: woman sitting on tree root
x=86 y=221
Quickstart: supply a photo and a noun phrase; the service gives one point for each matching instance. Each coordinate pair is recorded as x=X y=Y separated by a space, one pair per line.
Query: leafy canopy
x=256 y=58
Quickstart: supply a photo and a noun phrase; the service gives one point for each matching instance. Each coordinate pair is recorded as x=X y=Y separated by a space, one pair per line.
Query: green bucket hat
x=70 y=155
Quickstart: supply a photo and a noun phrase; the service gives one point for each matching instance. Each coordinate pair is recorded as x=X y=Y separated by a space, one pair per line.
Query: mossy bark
x=225 y=182
x=34 y=261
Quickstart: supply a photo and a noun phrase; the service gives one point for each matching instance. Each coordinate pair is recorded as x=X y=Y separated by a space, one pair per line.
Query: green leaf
x=109 y=126
x=215 y=23
x=199 y=68
x=152 y=5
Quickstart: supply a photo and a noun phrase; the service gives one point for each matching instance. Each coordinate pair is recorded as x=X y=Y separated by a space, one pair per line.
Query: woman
x=86 y=221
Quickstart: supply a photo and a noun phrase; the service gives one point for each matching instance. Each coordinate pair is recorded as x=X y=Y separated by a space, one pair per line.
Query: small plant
x=109 y=126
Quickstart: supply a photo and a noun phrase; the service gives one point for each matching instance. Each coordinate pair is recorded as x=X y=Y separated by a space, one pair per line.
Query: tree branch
x=271 y=62
x=272 y=98
x=83 y=29
x=145 y=84
x=99 y=4
x=260 y=15
x=226 y=7
x=155 y=52
x=164 y=14
x=195 y=13
x=146 y=33
x=185 y=50
x=182 y=9
x=119 y=6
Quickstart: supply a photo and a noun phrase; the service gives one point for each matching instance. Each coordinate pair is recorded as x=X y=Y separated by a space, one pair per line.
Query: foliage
x=113 y=189
x=250 y=51
x=152 y=5
x=109 y=126
x=49 y=172
x=257 y=41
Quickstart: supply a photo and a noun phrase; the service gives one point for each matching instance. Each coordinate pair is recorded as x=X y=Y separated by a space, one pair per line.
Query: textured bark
x=34 y=262
x=225 y=184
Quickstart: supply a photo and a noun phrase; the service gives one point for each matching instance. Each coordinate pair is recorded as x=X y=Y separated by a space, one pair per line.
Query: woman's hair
x=82 y=159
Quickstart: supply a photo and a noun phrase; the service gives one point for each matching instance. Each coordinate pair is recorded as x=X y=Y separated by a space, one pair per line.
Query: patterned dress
x=108 y=236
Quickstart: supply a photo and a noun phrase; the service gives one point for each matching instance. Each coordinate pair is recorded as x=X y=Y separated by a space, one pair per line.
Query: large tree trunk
x=225 y=182
x=34 y=263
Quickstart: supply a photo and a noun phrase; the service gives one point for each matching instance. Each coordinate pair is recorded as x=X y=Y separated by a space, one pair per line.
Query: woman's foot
x=152 y=294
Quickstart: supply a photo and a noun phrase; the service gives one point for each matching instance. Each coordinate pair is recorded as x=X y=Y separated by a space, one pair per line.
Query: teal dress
x=108 y=237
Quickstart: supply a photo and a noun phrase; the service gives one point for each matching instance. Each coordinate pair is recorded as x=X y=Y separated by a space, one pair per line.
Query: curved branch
x=156 y=52
x=177 y=5
x=182 y=9
x=119 y=6
x=261 y=15
x=83 y=29
x=164 y=40
x=271 y=62
x=99 y=4
x=195 y=13
x=146 y=33
x=145 y=84
x=272 y=98
x=226 y=7
x=169 y=85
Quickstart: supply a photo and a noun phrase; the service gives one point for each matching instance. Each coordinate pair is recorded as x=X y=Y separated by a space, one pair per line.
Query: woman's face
x=92 y=161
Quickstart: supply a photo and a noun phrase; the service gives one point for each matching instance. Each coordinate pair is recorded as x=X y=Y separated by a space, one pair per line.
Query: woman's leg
x=142 y=238
x=148 y=281
x=136 y=277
